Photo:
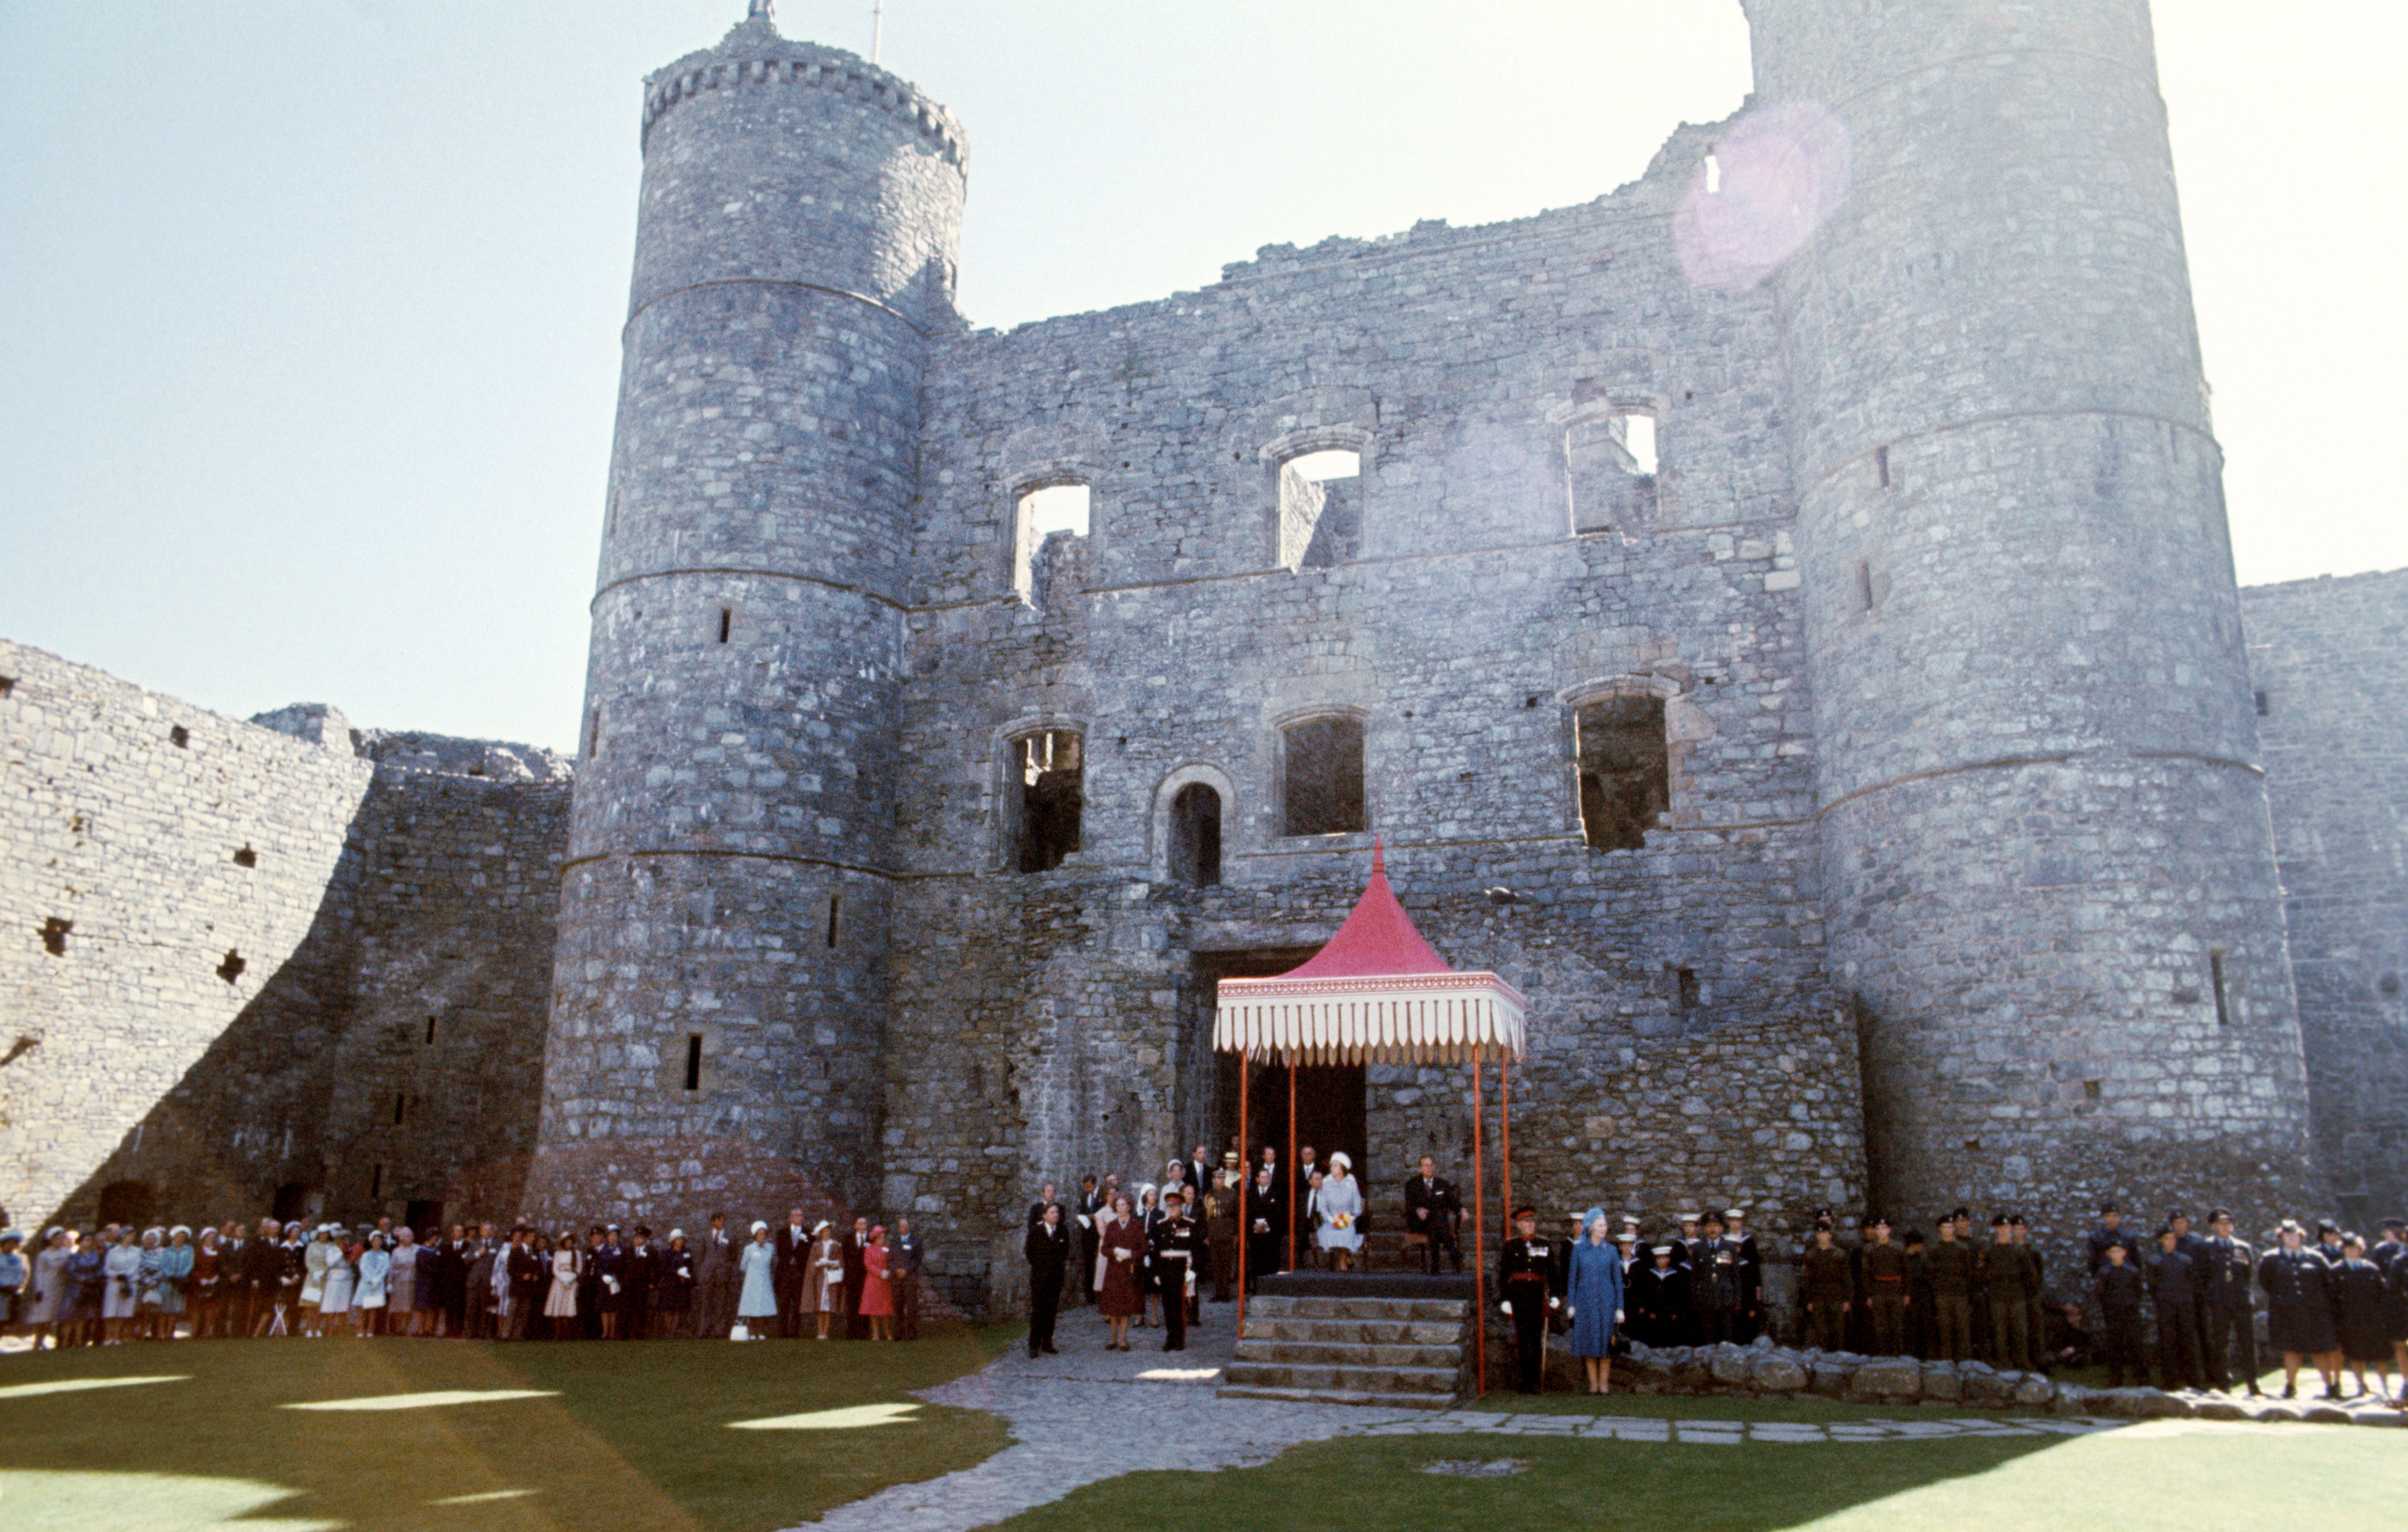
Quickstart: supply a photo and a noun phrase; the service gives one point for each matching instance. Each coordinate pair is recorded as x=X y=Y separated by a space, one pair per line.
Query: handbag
x=741 y=1332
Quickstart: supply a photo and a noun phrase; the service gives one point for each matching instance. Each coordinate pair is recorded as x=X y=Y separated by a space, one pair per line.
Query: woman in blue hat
x=1593 y=1297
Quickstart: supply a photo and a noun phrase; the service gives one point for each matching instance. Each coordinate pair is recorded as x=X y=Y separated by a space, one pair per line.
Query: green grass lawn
x=638 y=1435
x=2181 y=1476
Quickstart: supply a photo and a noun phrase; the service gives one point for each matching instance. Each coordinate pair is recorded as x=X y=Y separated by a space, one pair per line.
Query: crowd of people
x=114 y=1284
x=2192 y=1298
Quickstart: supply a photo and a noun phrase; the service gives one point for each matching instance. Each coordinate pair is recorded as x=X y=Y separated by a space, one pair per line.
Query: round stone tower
x=717 y=1014
x=2048 y=864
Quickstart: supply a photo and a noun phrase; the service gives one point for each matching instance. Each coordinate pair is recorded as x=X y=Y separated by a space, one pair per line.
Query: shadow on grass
x=1357 y=1482
x=637 y=1434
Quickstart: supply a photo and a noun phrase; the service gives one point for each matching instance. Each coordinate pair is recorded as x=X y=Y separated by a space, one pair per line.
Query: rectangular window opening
x=2263 y=708
x=1865 y=584
x=400 y=1108
x=430 y=1030
x=1049 y=780
x=1688 y=980
x=376 y=1182
x=594 y=734
x=1319 y=508
x=835 y=907
x=1322 y=785
x=180 y=738
x=693 y=1061
x=1881 y=466
x=2092 y=1090
x=1624 y=762
x=2215 y=976
x=1053 y=522
x=54 y=936
x=1610 y=463
x=726 y=622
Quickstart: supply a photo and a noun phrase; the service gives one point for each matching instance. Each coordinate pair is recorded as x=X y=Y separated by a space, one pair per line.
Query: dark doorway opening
x=424 y=1213
x=292 y=1202
x=1330 y=1112
x=127 y=1202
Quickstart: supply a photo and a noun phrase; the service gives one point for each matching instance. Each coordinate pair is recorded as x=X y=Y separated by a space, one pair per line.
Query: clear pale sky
x=309 y=311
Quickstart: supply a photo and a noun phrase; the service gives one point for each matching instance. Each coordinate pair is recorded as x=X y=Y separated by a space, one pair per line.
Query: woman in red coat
x=877 y=1292
x=1123 y=1249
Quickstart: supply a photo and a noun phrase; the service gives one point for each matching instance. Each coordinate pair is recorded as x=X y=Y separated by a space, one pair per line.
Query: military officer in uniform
x=2227 y=1265
x=1175 y=1244
x=1828 y=1287
x=1221 y=1225
x=2004 y=1282
x=1529 y=1284
x=2299 y=1311
x=1747 y=1261
x=2173 y=1285
x=1884 y=1270
x=1715 y=1286
x=2035 y=1287
x=1948 y=1269
x=2119 y=1287
x=2110 y=1231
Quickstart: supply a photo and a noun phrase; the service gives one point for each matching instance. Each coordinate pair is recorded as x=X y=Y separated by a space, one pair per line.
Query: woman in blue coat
x=1593 y=1297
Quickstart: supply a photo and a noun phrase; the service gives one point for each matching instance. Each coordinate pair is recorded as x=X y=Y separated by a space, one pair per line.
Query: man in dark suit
x=1264 y=1223
x=1432 y=1210
x=526 y=1280
x=905 y=1256
x=643 y=1270
x=857 y=1267
x=793 y=1243
x=233 y=1282
x=1084 y=1240
x=1036 y=1209
x=1201 y=1166
x=450 y=1294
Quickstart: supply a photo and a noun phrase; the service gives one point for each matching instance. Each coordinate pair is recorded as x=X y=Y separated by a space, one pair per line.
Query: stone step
x=1448 y=1357
x=1398 y=1311
x=1352 y=1379
x=1333 y=1395
x=1339 y=1332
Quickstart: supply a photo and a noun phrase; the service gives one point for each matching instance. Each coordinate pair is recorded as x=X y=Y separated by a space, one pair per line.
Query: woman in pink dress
x=877 y=1292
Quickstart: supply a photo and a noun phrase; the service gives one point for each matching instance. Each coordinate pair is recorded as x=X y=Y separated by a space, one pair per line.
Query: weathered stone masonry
x=1962 y=887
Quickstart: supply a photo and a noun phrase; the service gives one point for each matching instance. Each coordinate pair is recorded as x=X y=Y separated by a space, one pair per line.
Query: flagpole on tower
x=877 y=26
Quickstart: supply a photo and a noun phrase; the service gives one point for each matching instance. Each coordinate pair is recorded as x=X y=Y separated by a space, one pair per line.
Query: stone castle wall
x=2327 y=662
x=364 y=881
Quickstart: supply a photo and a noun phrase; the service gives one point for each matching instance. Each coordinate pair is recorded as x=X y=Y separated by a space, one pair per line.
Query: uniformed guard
x=1176 y=1243
x=1714 y=1285
x=2119 y=1288
x=1530 y=1286
x=1919 y=1323
x=2390 y=1256
x=2174 y=1289
x=1948 y=1269
x=1221 y=1225
x=1747 y=1262
x=2003 y=1284
x=2299 y=1309
x=2226 y=1266
x=1826 y=1286
x=2035 y=1289
x=1884 y=1273
x=2110 y=1231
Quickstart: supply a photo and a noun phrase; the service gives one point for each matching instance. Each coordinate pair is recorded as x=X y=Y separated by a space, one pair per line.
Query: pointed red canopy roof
x=1378 y=939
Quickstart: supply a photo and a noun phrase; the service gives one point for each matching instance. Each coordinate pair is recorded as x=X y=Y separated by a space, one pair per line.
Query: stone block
x=2033 y=1390
x=1778 y=1374
x=1891 y=1380
x=1941 y=1384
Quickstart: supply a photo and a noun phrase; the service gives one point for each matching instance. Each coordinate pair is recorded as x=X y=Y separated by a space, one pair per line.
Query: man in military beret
x=1529 y=1287
x=1883 y=1272
x=2003 y=1285
x=1826 y=1286
x=2035 y=1286
x=2174 y=1287
x=1948 y=1267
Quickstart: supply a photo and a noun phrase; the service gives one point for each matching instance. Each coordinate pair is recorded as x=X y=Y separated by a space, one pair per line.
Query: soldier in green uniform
x=2005 y=1285
x=1885 y=1272
x=1918 y=1296
x=1828 y=1287
x=2035 y=1286
x=1948 y=1267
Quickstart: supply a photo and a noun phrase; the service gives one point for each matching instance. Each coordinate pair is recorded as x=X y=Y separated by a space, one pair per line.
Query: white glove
x=1568 y=1311
x=1617 y=1316
x=1554 y=1303
x=1086 y=1223
x=1506 y=1307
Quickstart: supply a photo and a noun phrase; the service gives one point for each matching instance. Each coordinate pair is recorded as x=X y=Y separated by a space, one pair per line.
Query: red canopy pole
x=1292 y=1212
x=1245 y=1185
x=1479 y=1237
x=1505 y=1135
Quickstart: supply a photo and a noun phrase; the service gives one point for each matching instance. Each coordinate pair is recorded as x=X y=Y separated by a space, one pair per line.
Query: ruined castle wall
x=1055 y=1023
x=132 y=840
x=2325 y=657
x=391 y=878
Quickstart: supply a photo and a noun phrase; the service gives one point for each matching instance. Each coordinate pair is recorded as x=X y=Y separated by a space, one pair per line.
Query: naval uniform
x=1528 y=1277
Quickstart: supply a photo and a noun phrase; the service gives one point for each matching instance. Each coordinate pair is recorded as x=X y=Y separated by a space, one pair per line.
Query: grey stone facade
x=1935 y=864
x=258 y=963
x=2326 y=658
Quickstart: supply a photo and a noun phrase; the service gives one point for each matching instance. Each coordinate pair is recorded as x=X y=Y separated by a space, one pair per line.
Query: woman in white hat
x=560 y=1303
x=822 y=1291
x=1340 y=1205
x=756 y=1307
